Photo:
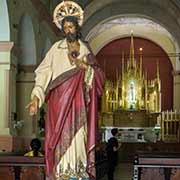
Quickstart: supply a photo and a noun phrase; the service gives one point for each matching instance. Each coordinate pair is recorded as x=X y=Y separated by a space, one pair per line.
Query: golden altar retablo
x=132 y=90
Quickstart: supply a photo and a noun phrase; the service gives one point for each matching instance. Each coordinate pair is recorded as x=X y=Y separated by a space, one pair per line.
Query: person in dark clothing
x=112 y=153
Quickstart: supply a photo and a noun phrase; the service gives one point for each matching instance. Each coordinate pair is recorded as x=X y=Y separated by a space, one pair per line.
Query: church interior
x=137 y=45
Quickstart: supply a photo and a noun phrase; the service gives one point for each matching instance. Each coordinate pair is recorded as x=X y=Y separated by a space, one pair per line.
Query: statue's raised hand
x=33 y=106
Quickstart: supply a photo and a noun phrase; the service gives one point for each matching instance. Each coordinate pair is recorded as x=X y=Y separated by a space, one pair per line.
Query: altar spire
x=131 y=58
x=132 y=89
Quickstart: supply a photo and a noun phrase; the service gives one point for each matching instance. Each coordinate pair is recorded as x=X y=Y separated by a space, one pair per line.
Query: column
x=5 y=64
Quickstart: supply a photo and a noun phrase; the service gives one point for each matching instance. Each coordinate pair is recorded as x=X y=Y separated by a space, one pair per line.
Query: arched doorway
x=110 y=59
x=120 y=27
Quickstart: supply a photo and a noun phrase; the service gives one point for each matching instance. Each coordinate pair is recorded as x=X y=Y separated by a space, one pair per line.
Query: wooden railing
x=22 y=168
x=170 y=126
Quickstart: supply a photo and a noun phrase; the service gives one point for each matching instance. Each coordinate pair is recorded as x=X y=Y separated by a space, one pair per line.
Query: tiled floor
x=124 y=171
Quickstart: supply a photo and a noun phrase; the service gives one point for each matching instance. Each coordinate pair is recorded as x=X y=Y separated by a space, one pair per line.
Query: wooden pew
x=22 y=168
x=161 y=166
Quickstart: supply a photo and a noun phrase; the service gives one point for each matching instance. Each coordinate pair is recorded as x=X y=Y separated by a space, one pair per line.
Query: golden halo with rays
x=67 y=8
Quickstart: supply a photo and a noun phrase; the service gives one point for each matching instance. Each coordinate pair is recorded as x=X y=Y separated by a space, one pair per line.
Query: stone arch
x=4 y=22
x=112 y=29
x=26 y=41
x=165 y=14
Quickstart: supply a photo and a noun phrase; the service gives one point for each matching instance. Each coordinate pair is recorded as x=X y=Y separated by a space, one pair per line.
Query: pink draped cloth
x=67 y=111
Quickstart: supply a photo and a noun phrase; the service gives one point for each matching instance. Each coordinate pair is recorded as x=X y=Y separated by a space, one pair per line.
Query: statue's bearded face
x=70 y=31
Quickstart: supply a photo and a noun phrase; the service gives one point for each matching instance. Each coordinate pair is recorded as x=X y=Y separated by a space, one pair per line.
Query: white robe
x=54 y=64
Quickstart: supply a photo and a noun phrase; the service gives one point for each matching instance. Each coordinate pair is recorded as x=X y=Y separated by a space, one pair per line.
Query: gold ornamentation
x=65 y=174
x=89 y=76
x=82 y=171
x=67 y=8
x=132 y=90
